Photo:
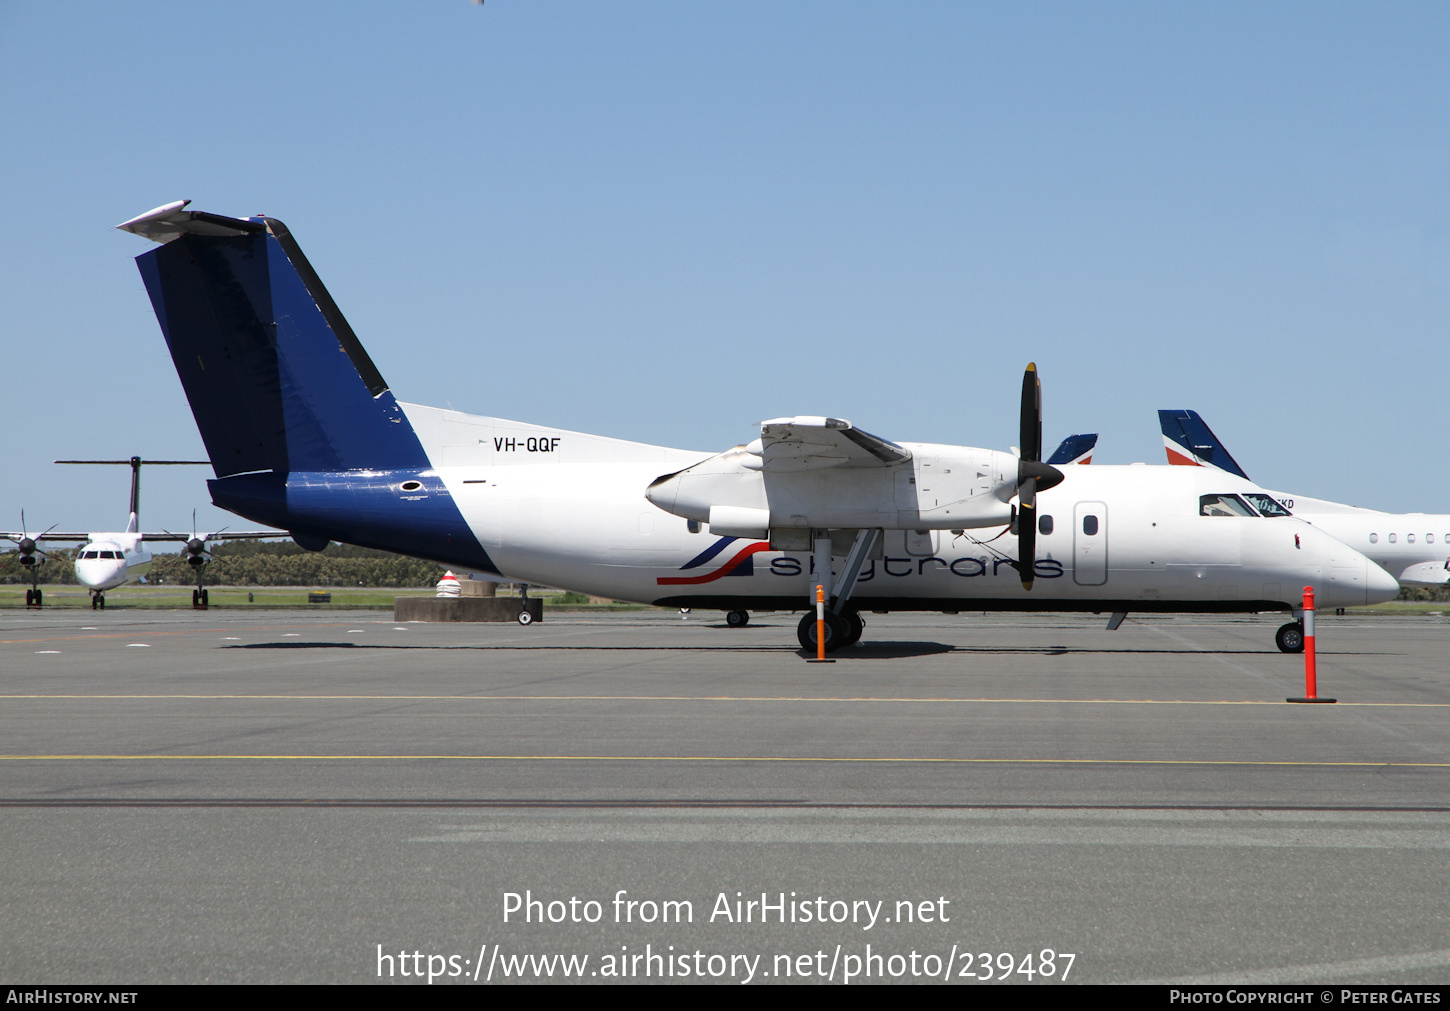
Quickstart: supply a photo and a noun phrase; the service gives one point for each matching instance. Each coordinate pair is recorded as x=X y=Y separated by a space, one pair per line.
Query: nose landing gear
x=199 y=599
x=98 y=600
x=32 y=597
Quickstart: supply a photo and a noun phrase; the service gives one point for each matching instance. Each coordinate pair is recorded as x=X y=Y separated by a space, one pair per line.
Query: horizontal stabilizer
x=171 y=221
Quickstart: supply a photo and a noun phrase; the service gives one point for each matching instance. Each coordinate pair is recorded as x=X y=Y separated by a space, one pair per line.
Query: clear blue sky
x=667 y=221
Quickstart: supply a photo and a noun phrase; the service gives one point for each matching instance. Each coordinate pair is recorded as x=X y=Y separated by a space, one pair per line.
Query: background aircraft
x=108 y=560
x=304 y=433
x=1074 y=449
x=1413 y=547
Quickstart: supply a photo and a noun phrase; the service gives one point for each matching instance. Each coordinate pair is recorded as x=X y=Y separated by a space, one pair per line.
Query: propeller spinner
x=1032 y=475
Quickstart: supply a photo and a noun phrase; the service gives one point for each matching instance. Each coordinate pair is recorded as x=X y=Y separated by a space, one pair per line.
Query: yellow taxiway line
x=855 y=700
x=726 y=758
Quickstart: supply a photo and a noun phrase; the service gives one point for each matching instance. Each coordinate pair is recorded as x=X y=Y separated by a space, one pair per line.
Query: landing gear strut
x=1290 y=637
x=844 y=624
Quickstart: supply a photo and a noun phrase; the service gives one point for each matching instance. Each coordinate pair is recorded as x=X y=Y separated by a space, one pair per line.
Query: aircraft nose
x=1380 y=586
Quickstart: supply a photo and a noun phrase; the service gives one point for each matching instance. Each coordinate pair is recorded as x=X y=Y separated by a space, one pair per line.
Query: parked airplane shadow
x=885 y=650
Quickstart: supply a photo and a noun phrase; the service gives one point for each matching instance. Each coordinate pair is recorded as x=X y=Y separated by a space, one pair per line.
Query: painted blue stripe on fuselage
x=708 y=553
x=366 y=508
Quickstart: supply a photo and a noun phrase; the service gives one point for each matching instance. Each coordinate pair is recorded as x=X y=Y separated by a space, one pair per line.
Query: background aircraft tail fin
x=1075 y=449
x=276 y=378
x=1189 y=442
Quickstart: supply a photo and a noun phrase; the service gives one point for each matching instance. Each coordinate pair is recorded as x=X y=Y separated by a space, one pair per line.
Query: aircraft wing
x=15 y=535
x=810 y=443
x=223 y=535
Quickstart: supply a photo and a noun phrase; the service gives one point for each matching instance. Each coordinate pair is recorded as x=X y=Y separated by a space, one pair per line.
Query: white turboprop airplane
x=108 y=560
x=1414 y=547
x=304 y=434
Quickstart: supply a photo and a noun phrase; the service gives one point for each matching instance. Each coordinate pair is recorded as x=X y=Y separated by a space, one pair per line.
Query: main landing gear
x=737 y=619
x=1290 y=637
x=843 y=623
x=98 y=600
x=842 y=630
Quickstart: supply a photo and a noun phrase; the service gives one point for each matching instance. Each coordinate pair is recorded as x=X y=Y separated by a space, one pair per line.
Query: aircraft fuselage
x=565 y=509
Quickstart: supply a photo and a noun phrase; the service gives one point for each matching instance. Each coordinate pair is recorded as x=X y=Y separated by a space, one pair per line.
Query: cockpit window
x=108 y=554
x=91 y=554
x=1267 y=505
x=1222 y=505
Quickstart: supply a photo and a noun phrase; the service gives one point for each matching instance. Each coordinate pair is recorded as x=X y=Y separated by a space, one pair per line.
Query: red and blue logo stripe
x=742 y=563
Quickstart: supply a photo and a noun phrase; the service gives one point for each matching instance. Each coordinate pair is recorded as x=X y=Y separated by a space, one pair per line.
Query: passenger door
x=1090 y=543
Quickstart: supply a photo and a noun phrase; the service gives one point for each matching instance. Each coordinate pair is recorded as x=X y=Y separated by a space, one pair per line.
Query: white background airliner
x=1413 y=547
x=108 y=560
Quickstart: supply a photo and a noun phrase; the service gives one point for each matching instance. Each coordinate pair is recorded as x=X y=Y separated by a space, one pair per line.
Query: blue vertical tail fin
x=1190 y=442
x=275 y=376
x=300 y=426
x=1075 y=449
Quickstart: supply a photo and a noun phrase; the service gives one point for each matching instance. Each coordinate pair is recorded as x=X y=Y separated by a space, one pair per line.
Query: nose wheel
x=1290 y=638
x=199 y=599
x=32 y=597
x=98 y=601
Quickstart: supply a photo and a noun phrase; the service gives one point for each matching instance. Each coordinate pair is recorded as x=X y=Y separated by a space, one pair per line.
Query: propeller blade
x=1032 y=475
x=1030 y=442
x=1027 y=532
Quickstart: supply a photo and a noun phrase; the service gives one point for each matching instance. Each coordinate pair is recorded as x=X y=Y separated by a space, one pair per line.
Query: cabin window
x=1392 y=538
x=1409 y=538
x=1222 y=505
x=1429 y=538
x=1090 y=525
x=1044 y=525
x=1374 y=538
x=1267 y=505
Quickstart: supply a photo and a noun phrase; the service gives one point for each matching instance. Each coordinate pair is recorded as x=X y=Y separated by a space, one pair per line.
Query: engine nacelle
x=937 y=488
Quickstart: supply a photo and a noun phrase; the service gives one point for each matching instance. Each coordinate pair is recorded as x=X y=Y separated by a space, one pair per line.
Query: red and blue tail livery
x=1191 y=443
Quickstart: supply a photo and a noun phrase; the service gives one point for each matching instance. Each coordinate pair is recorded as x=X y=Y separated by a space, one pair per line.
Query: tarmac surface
x=255 y=797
